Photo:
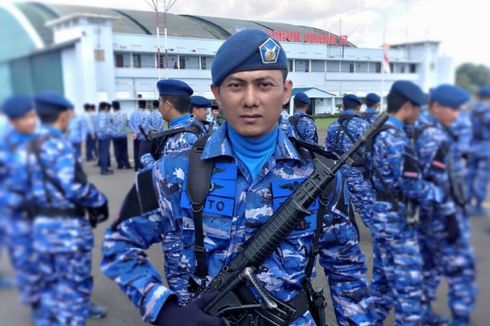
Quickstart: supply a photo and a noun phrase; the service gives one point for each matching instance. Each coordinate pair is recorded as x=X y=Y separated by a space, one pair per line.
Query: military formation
x=209 y=182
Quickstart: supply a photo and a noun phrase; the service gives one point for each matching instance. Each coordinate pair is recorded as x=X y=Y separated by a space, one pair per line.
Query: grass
x=322 y=124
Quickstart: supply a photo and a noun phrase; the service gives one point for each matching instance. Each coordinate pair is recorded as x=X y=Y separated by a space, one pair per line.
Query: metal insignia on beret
x=269 y=51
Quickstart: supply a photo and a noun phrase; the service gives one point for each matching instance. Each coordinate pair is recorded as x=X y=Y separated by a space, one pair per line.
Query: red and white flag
x=386 y=60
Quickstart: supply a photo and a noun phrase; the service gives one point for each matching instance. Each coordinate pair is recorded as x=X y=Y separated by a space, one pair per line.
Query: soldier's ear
x=288 y=87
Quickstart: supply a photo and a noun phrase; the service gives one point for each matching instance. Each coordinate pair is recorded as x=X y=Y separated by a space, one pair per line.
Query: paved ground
x=122 y=313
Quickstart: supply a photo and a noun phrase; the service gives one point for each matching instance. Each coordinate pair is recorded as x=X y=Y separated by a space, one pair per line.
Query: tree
x=471 y=76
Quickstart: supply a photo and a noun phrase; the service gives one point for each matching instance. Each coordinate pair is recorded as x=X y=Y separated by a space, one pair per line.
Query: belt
x=60 y=212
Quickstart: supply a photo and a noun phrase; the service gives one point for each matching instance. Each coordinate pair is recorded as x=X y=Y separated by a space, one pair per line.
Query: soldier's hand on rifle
x=189 y=315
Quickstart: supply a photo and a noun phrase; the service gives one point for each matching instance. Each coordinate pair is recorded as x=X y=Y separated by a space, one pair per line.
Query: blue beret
x=200 y=102
x=301 y=98
x=484 y=91
x=350 y=101
x=449 y=95
x=173 y=87
x=372 y=98
x=410 y=91
x=17 y=105
x=249 y=49
x=52 y=102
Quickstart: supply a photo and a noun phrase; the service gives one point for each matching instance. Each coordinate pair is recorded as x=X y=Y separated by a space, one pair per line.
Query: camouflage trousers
x=453 y=261
x=67 y=285
x=360 y=193
x=478 y=177
x=397 y=266
x=24 y=259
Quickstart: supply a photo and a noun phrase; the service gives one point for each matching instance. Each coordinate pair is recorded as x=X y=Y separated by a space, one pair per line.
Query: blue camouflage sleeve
x=433 y=155
x=76 y=190
x=123 y=249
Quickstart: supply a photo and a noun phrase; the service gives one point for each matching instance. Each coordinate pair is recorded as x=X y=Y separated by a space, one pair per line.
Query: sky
x=460 y=26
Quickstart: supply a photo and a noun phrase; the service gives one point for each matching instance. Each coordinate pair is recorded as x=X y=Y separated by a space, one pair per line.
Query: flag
x=386 y=60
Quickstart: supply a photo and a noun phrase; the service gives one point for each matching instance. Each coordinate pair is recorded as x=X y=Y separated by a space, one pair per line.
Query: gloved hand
x=452 y=229
x=188 y=315
x=98 y=214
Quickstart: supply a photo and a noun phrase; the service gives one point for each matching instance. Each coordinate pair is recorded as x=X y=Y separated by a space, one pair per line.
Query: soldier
x=138 y=118
x=444 y=231
x=252 y=157
x=90 y=141
x=18 y=227
x=155 y=121
x=59 y=194
x=303 y=125
x=199 y=110
x=372 y=106
x=93 y=118
x=120 y=136
x=77 y=133
x=479 y=156
x=395 y=177
x=341 y=134
x=104 y=137
x=215 y=121
x=175 y=105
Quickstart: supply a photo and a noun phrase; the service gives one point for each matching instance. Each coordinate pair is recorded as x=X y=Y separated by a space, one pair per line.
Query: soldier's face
x=445 y=115
x=410 y=113
x=200 y=113
x=25 y=124
x=252 y=100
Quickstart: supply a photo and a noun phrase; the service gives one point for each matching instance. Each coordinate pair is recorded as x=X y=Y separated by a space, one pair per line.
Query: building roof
x=312 y=92
x=144 y=22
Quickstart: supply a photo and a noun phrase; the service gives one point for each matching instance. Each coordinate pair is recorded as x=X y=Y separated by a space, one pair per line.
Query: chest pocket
x=221 y=196
x=281 y=190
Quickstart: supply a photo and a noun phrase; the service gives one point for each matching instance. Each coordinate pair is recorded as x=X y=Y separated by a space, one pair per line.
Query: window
x=402 y=69
x=147 y=61
x=317 y=65
x=413 y=68
x=290 y=65
x=119 y=59
x=361 y=67
x=189 y=62
x=206 y=62
x=378 y=67
x=392 y=67
x=347 y=67
x=301 y=65
x=333 y=66
x=172 y=61
x=136 y=61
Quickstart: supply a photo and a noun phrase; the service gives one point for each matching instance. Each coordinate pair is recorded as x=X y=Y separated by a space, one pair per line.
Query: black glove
x=452 y=229
x=98 y=214
x=188 y=315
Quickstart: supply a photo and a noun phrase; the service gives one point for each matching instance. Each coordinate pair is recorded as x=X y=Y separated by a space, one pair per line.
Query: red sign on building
x=318 y=38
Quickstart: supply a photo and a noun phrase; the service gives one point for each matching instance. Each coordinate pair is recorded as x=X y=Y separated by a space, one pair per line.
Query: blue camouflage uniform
x=62 y=237
x=214 y=124
x=104 y=136
x=303 y=125
x=77 y=133
x=138 y=118
x=155 y=121
x=119 y=134
x=340 y=254
x=341 y=135
x=370 y=114
x=479 y=156
x=444 y=232
x=243 y=205
x=15 y=225
x=397 y=264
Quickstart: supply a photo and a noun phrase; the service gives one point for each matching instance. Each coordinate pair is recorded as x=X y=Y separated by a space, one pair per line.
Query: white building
x=98 y=54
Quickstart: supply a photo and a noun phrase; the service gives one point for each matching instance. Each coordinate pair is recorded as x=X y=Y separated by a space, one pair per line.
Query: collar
x=52 y=130
x=348 y=112
x=396 y=122
x=179 y=120
x=219 y=145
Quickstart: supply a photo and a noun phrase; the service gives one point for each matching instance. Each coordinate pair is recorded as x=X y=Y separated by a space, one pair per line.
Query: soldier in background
x=303 y=125
x=372 y=107
x=138 y=118
x=104 y=137
x=119 y=124
x=199 y=110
